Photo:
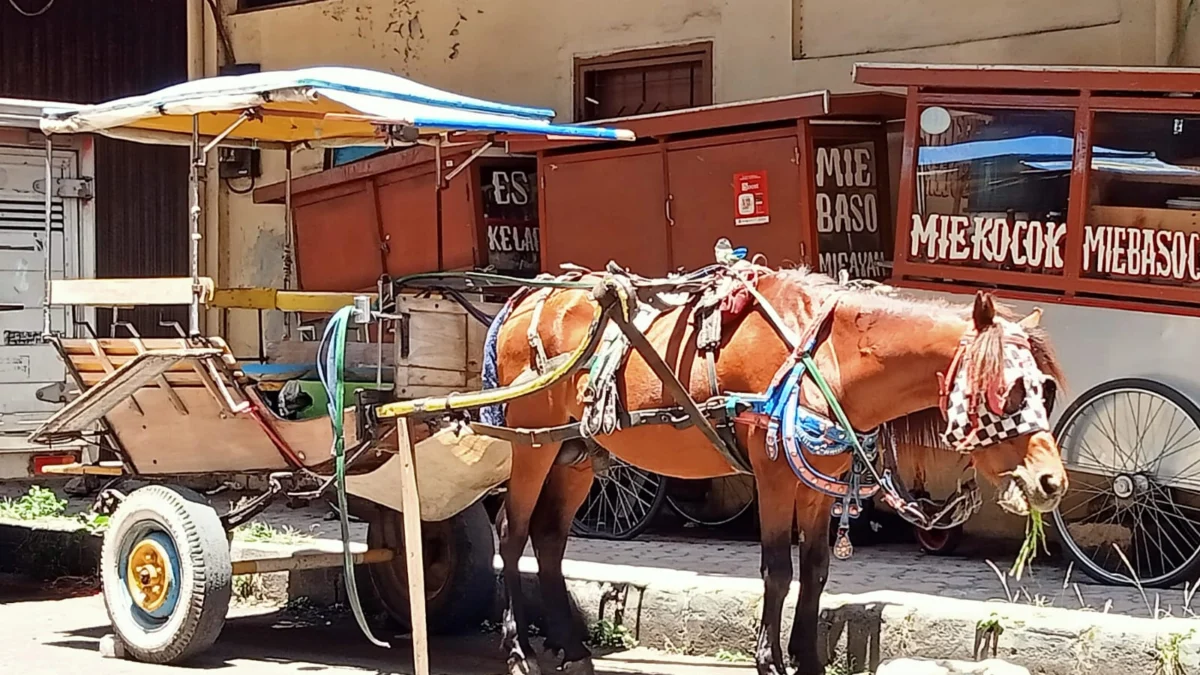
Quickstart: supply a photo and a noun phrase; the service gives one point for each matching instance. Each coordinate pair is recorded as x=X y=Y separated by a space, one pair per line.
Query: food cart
x=1076 y=190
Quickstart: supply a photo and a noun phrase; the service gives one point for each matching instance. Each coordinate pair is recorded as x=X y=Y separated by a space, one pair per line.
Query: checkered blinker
x=1014 y=408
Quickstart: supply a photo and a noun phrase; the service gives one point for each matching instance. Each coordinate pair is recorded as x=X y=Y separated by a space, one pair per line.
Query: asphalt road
x=56 y=628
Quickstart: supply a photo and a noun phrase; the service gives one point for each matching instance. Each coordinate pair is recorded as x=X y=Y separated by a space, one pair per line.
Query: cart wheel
x=1133 y=502
x=621 y=503
x=459 y=577
x=711 y=502
x=167 y=574
x=939 y=542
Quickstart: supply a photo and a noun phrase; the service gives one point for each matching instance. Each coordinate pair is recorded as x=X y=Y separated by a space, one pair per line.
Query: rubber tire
x=1189 y=570
x=945 y=542
x=656 y=505
x=465 y=599
x=206 y=574
x=728 y=518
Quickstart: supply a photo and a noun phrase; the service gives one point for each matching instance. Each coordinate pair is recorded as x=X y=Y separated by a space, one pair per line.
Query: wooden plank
x=437 y=339
x=204 y=441
x=414 y=556
x=438 y=304
x=90 y=363
x=187 y=378
x=101 y=469
x=120 y=346
x=358 y=354
x=127 y=292
x=78 y=415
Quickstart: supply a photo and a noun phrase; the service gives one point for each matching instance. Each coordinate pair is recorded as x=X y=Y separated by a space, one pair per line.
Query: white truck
x=31 y=373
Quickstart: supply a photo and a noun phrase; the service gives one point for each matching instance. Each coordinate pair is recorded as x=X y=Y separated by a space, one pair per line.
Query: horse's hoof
x=524 y=666
x=580 y=667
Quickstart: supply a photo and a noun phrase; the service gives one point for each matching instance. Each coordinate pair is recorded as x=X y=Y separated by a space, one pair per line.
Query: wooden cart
x=171 y=408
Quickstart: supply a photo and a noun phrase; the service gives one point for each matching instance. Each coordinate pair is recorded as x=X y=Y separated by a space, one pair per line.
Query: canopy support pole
x=194 y=228
x=289 y=240
x=437 y=159
x=48 y=258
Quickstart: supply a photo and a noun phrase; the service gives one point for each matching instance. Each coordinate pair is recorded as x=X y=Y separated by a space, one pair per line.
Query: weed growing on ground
x=733 y=656
x=92 y=522
x=36 y=504
x=249 y=589
x=1167 y=658
x=258 y=531
x=610 y=635
x=837 y=668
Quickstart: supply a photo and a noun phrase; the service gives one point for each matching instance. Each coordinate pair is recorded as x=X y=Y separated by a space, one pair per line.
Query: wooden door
x=746 y=188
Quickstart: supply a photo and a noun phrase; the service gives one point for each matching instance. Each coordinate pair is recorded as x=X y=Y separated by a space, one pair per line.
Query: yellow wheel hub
x=149 y=575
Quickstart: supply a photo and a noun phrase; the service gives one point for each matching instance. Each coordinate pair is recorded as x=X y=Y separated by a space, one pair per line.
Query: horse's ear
x=984 y=312
x=1030 y=322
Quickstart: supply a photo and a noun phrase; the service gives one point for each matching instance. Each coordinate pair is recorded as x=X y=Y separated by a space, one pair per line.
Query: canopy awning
x=323 y=106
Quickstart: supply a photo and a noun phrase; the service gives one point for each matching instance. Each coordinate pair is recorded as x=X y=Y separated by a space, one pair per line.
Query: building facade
x=624 y=57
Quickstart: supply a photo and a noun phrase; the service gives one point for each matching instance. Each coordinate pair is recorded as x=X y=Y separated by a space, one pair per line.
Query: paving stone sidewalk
x=891 y=567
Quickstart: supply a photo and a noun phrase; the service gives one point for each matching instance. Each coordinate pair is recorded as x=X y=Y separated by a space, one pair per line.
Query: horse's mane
x=924 y=427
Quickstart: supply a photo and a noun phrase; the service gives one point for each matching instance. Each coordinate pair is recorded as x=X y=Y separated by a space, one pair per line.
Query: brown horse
x=882 y=358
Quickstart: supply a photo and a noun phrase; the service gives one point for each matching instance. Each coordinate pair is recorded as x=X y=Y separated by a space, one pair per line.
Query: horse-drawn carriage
x=170 y=408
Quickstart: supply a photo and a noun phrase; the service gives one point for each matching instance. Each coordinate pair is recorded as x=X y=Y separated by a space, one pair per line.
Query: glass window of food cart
x=992 y=188
x=1143 y=216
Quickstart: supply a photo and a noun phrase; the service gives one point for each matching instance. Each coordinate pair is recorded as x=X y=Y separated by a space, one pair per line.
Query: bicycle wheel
x=1132 y=514
x=711 y=502
x=621 y=503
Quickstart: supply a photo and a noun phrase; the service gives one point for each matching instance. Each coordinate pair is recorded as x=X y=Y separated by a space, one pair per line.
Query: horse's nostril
x=1051 y=484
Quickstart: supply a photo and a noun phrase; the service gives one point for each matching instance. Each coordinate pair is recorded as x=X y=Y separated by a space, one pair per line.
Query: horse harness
x=793 y=428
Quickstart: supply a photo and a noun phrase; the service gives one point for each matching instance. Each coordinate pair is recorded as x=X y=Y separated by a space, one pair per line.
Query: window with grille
x=643 y=81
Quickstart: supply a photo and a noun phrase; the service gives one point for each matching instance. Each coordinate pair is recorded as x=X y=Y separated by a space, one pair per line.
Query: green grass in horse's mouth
x=1035 y=536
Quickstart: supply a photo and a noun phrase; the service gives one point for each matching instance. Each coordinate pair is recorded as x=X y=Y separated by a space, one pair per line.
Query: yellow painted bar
x=499 y=394
x=284 y=301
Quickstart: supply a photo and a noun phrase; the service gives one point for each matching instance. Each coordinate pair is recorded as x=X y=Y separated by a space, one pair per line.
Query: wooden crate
x=439 y=349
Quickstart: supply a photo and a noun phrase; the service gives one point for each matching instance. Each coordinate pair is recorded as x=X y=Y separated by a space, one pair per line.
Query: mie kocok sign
x=1107 y=249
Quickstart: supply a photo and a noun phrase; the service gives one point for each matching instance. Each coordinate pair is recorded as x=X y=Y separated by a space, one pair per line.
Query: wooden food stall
x=797 y=178
x=1076 y=190
x=382 y=215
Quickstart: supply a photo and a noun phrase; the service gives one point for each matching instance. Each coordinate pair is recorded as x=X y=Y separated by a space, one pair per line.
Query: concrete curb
x=684 y=612
x=51 y=549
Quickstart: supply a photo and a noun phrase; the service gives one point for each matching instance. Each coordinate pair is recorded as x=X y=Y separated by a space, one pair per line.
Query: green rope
x=836 y=408
x=335 y=341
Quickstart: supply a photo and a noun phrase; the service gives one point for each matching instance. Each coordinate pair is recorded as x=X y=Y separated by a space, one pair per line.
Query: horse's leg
x=530 y=465
x=565 y=491
x=812 y=519
x=776 y=494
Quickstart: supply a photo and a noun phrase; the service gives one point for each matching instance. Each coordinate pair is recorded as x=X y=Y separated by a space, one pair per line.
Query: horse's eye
x=1016 y=398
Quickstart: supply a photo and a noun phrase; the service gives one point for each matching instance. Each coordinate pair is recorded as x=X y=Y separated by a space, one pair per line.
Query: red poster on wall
x=750 y=205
